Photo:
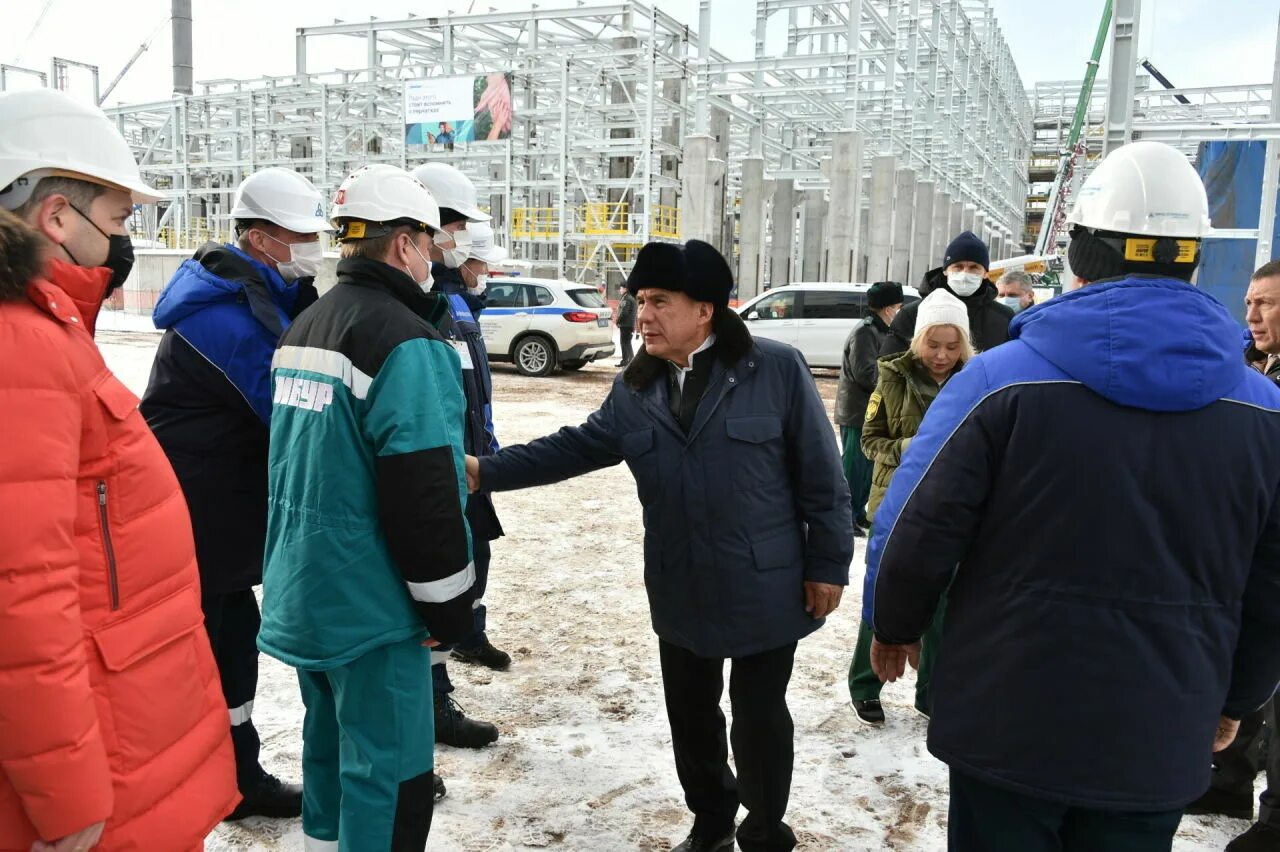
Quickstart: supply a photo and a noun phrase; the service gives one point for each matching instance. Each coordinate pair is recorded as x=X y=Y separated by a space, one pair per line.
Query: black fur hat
x=695 y=268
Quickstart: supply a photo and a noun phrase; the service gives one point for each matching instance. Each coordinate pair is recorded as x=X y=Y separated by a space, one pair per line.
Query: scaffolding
x=606 y=99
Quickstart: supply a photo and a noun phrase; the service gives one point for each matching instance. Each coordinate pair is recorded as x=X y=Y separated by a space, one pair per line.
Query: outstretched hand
x=473 y=474
x=889 y=662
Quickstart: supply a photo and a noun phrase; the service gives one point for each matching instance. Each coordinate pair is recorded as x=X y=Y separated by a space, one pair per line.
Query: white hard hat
x=453 y=190
x=48 y=133
x=383 y=193
x=484 y=244
x=282 y=197
x=1147 y=189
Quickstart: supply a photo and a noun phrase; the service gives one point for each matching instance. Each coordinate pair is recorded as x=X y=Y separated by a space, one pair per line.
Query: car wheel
x=575 y=364
x=535 y=356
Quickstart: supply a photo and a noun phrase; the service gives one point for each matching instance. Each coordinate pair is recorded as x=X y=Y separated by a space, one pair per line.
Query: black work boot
x=268 y=796
x=1261 y=838
x=1219 y=802
x=455 y=729
x=700 y=841
x=437 y=788
x=485 y=655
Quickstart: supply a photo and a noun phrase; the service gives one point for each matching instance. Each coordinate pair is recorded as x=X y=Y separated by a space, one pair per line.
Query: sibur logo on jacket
x=307 y=394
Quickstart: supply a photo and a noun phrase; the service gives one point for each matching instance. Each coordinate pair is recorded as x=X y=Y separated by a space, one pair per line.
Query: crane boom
x=1055 y=213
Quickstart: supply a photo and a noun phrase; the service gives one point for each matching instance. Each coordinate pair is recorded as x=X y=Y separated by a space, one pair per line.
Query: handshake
x=473 y=474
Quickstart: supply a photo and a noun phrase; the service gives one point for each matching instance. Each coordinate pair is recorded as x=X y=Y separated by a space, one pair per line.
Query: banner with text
x=447 y=110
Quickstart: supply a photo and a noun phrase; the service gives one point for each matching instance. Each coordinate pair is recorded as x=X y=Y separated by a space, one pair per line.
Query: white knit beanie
x=942 y=308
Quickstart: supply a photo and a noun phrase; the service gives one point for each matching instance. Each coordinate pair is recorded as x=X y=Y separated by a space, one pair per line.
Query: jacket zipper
x=113 y=581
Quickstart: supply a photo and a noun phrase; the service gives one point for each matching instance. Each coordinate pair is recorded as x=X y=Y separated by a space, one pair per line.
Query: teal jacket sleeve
x=414 y=422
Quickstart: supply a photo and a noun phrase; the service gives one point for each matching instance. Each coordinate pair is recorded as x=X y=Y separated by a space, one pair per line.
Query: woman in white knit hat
x=909 y=382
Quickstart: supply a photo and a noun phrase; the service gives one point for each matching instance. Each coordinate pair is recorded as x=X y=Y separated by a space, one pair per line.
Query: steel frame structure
x=605 y=96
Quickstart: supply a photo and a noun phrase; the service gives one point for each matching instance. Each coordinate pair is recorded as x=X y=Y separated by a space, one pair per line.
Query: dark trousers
x=761 y=736
x=232 y=621
x=1256 y=746
x=857 y=470
x=984 y=818
x=440 y=654
x=624 y=337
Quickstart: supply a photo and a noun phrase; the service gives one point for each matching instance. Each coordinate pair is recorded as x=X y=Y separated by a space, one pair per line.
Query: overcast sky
x=1193 y=42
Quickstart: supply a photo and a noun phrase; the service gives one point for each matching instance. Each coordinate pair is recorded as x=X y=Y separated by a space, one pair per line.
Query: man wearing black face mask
x=114 y=731
x=209 y=405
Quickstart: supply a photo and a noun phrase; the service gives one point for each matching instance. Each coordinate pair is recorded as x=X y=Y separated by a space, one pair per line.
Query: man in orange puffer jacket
x=113 y=731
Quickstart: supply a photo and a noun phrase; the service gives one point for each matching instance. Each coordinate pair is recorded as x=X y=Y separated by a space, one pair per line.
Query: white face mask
x=456 y=256
x=305 y=259
x=426 y=283
x=964 y=283
x=482 y=284
x=1011 y=302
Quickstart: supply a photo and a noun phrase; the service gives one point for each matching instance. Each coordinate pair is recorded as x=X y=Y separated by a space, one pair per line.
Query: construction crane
x=1055 y=215
x=137 y=54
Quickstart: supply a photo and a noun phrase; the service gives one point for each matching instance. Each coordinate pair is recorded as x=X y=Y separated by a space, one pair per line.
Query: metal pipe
x=182 y=61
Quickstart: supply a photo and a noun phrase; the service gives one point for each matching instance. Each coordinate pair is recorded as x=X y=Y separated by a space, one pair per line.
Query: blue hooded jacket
x=232 y=311
x=209 y=401
x=1099 y=495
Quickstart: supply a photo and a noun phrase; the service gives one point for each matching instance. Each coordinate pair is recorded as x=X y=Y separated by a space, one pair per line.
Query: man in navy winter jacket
x=1098 y=498
x=748 y=528
x=209 y=404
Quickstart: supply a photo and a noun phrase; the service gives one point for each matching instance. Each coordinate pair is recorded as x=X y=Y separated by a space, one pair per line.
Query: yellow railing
x=607 y=217
x=596 y=218
x=666 y=222
x=535 y=222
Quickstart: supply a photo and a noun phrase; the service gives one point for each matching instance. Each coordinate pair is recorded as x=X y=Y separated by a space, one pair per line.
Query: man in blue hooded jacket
x=209 y=404
x=1098 y=498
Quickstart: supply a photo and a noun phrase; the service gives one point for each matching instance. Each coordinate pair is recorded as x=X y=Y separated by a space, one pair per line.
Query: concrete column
x=922 y=232
x=751 y=238
x=783 y=229
x=980 y=228
x=864 y=232
x=814 y=216
x=881 y=213
x=723 y=240
x=942 y=206
x=968 y=218
x=846 y=203
x=955 y=225
x=904 y=202
x=702 y=179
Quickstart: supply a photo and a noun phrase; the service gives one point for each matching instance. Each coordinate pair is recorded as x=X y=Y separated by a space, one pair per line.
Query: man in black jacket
x=858 y=376
x=1257 y=745
x=964 y=273
x=455 y=275
x=626 y=325
x=209 y=404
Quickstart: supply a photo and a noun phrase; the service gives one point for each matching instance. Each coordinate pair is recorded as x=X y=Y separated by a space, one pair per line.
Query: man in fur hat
x=748 y=528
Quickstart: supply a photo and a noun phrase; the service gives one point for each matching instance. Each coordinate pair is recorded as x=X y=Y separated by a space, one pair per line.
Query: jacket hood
x=216 y=274
x=934 y=279
x=19 y=256
x=1152 y=343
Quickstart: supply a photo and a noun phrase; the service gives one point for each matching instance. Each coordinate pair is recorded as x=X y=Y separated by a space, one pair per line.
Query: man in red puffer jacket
x=113 y=731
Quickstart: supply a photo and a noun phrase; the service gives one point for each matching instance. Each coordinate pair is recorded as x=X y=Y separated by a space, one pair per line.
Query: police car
x=541 y=323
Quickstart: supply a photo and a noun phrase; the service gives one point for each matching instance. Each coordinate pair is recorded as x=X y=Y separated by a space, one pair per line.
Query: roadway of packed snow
x=584 y=760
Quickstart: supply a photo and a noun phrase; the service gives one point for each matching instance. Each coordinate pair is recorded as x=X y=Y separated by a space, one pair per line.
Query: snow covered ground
x=584 y=760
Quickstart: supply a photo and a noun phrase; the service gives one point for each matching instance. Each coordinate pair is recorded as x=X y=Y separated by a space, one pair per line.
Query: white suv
x=814 y=318
x=540 y=323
